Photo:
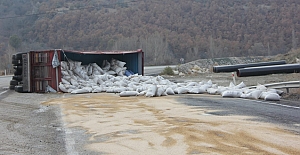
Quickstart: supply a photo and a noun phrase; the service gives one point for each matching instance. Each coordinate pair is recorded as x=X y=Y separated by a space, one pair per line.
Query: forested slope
x=166 y=30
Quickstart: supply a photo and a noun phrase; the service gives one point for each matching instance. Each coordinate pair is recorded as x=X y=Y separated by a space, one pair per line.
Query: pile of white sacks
x=77 y=79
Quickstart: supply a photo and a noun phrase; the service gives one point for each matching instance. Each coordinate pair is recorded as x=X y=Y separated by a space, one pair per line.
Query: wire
x=83 y=8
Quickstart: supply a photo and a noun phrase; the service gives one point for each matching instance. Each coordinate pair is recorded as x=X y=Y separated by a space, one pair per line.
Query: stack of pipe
x=234 y=68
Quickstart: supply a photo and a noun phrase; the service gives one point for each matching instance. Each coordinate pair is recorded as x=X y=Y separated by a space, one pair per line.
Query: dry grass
x=290 y=57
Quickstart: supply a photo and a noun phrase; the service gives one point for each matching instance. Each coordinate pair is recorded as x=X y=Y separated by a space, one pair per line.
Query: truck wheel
x=18 y=72
x=16 y=62
x=19 y=89
x=19 y=56
x=13 y=82
x=12 y=87
x=18 y=69
x=17 y=77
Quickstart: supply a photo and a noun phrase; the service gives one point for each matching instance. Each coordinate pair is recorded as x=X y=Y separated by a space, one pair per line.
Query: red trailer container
x=42 y=74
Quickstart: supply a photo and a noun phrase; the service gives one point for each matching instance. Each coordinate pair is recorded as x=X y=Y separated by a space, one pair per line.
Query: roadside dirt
x=139 y=125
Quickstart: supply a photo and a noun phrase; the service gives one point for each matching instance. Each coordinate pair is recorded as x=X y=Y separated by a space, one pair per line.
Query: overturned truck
x=41 y=71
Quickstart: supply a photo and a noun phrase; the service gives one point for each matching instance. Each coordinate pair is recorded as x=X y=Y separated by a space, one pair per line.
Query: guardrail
x=280 y=85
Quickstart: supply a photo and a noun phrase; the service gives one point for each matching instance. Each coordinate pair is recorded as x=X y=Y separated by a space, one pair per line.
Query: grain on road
x=139 y=125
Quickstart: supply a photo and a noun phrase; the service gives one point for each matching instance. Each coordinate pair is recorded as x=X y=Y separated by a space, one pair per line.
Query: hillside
x=166 y=30
x=205 y=65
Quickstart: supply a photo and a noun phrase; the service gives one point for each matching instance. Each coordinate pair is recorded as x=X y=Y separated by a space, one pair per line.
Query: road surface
x=277 y=112
x=181 y=124
x=26 y=126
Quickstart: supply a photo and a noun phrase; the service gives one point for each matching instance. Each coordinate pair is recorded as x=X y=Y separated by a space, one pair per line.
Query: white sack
x=64 y=73
x=231 y=85
x=263 y=95
x=151 y=91
x=194 y=90
x=279 y=92
x=79 y=91
x=70 y=72
x=120 y=63
x=272 y=97
x=105 y=65
x=221 y=89
x=70 y=90
x=252 y=95
x=111 y=72
x=97 y=90
x=212 y=91
x=63 y=88
x=261 y=87
x=74 y=82
x=240 y=86
x=64 y=65
x=159 y=91
x=67 y=78
x=170 y=91
x=182 y=90
x=232 y=93
x=90 y=70
x=89 y=89
x=192 y=84
x=204 y=87
x=142 y=93
x=128 y=93
x=65 y=81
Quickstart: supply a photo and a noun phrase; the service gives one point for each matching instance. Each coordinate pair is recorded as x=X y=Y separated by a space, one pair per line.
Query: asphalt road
x=283 y=113
x=26 y=126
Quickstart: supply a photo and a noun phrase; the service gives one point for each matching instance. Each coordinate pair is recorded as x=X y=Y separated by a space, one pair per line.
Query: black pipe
x=266 y=70
x=233 y=68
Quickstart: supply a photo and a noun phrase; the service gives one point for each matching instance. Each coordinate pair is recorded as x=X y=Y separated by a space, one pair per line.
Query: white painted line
x=271 y=103
x=3 y=92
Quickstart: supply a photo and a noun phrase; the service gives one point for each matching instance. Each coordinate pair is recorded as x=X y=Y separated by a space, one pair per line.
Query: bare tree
x=211 y=46
x=294 y=40
x=156 y=48
x=130 y=43
x=192 y=54
x=14 y=44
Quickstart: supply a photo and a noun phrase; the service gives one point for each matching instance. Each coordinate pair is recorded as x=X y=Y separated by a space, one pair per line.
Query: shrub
x=167 y=71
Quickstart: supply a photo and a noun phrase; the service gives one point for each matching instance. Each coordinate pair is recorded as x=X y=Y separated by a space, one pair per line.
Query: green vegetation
x=167 y=71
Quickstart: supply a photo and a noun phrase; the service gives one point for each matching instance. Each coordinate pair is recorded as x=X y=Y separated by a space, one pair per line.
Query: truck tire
x=16 y=62
x=13 y=83
x=17 y=78
x=18 y=69
x=18 y=72
x=19 y=89
x=19 y=56
x=12 y=87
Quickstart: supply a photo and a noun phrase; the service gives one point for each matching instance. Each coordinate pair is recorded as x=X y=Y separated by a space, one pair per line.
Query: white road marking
x=3 y=92
x=271 y=103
